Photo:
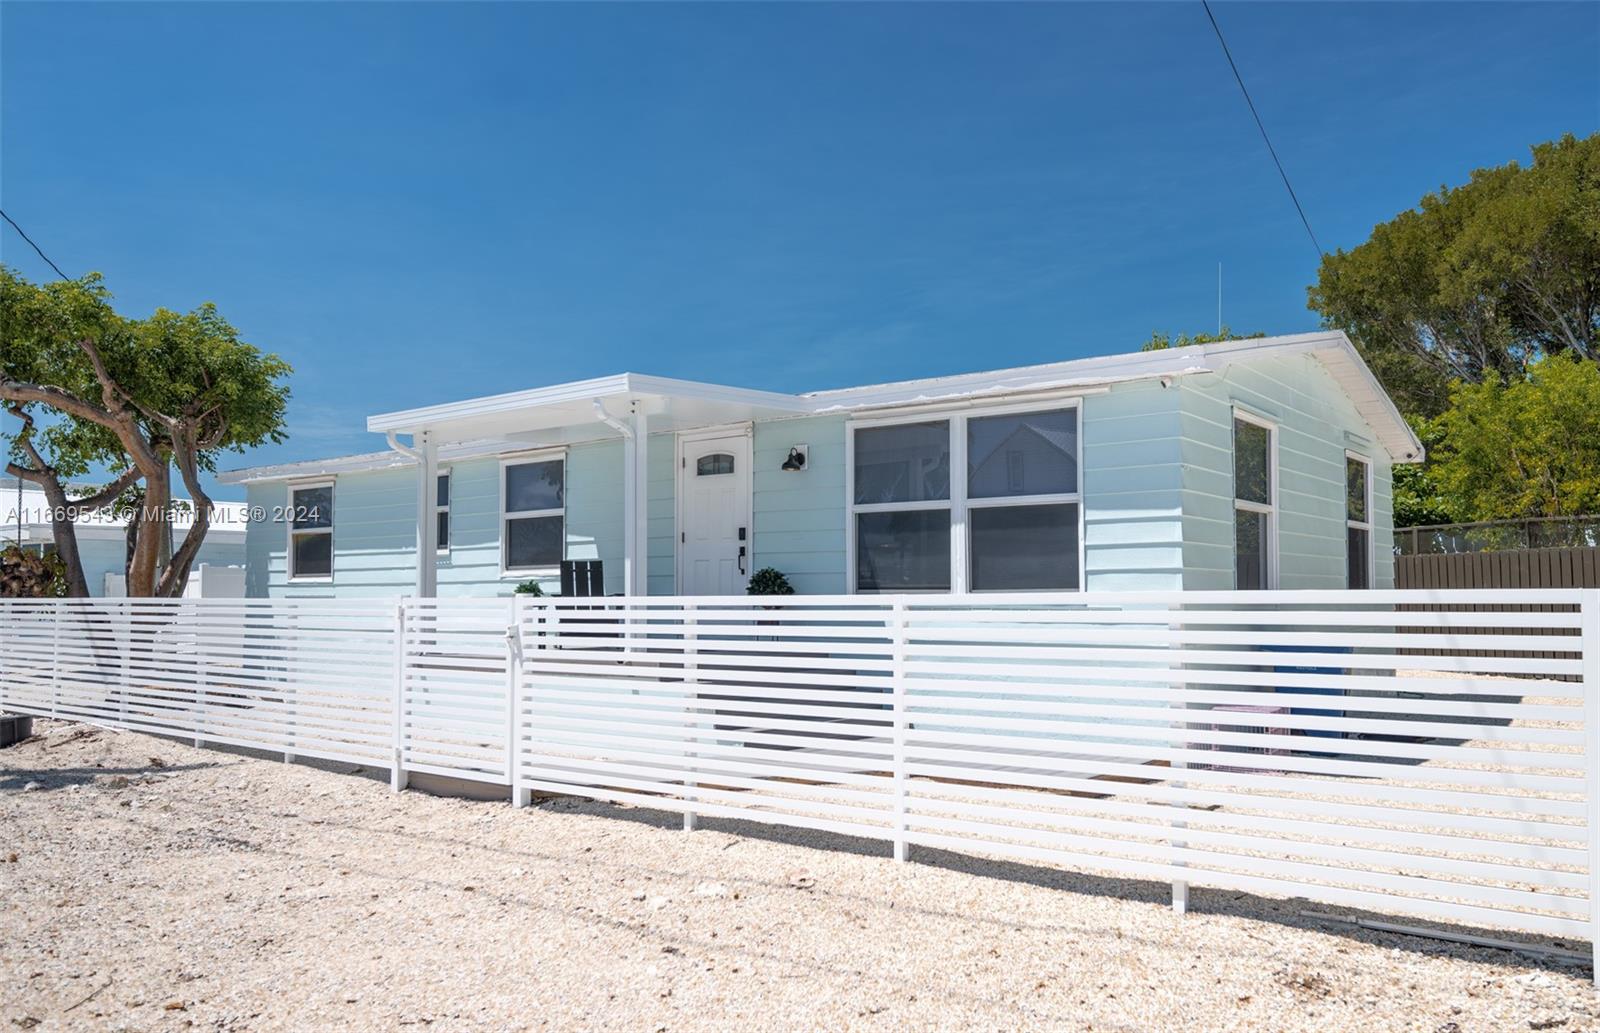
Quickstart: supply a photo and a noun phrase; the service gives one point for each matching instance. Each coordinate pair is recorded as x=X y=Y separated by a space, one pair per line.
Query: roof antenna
x=1219 y=299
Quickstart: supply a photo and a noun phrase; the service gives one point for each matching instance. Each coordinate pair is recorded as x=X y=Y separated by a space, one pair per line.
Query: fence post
x=520 y=797
x=691 y=728
x=291 y=692
x=1180 y=887
x=125 y=655
x=1589 y=613
x=201 y=672
x=55 y=659
x=397 y=771
x=897 y=624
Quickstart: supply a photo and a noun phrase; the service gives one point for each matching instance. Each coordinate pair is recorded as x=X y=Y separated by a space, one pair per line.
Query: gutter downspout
x=404 y=450
x=604 y=417
x=426 y=454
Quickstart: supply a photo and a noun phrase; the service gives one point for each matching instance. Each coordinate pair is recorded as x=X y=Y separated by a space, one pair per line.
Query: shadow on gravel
x=60 y=778
x=1202 y=900
x=337 y=767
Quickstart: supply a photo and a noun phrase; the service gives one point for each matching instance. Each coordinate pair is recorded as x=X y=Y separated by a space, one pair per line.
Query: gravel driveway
x=147 y=885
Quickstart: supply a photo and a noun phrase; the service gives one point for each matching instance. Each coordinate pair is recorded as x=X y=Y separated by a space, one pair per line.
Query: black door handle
x=741 y=559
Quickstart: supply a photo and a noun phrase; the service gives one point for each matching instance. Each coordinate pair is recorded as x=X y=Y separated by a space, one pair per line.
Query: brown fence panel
x=1512 y=568
x=1518 y=568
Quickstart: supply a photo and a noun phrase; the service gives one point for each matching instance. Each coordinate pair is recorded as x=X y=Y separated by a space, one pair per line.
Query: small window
x=311 y=532
x=1358 y=521
x=1254 y=504
x=441 y=511
x=711 y=465
x=533 y=522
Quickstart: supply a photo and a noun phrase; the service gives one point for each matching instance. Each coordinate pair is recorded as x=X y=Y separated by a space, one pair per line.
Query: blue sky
x=419 y=202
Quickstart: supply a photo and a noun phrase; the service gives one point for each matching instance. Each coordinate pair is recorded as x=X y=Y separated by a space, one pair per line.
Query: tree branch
x=56 y=398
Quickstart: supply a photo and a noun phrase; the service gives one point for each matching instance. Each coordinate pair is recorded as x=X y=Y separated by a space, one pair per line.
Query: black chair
x=582 y=578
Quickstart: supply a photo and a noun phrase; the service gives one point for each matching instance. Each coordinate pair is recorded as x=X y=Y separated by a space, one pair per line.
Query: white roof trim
x=1331 y=347
x=625 y=384
x=365 y=462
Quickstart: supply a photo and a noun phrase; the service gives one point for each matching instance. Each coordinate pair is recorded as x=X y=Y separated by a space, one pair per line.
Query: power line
x=1270 y=149
x=31 y=244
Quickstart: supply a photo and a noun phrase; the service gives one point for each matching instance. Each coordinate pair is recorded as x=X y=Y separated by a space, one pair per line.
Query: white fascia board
x=666 y=387
x=363 y=463
x=1104 y=369
x=1373 y=402
x=621 y=384
x=314 y=467
x=579 y=390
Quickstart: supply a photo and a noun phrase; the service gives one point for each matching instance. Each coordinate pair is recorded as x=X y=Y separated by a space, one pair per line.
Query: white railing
x=1435 y=753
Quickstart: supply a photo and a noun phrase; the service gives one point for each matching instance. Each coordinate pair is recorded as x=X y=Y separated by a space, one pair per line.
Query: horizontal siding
x=662 y=486
x=375 y=530
x=1316 y=424
x=799 y=517
x=1133 y=502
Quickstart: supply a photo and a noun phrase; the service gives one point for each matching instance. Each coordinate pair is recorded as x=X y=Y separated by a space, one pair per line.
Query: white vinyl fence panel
x=306 y=678
x=1433 y=753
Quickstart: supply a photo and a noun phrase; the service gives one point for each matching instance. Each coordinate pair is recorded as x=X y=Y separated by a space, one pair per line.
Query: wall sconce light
x=798 y=454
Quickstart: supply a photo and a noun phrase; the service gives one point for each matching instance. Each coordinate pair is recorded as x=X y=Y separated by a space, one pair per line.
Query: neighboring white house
x=1256 y=463
x=102 y=540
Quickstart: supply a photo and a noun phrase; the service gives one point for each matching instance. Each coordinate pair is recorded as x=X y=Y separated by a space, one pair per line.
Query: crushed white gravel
x=147 y=885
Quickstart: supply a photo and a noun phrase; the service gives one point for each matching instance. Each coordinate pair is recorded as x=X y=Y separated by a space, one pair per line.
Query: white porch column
x=427 y=452
x=636 y=506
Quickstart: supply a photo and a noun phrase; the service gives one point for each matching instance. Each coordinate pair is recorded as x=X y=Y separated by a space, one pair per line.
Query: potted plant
x=769 y=581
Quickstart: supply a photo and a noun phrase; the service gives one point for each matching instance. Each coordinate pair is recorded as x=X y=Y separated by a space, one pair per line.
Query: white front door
x=714 y=514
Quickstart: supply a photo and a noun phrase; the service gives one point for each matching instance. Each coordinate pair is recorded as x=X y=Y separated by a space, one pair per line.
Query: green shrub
x=769 y=581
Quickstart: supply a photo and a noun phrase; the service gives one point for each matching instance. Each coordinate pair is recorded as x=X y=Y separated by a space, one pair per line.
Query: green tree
x=1161 y=342
x=1479 y=281
x=56 y=453
x=171 y=390
x=1418 y=497
x=1530 y=448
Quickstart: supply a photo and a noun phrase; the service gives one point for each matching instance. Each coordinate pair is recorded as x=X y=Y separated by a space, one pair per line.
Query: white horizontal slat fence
x=1429 y=752
x=309 y=678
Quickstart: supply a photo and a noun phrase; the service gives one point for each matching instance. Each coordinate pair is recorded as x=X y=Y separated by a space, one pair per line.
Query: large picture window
x=533 y=514
x=1254 y=502
x=1358 y=521
x=311 y=531
x=974 y=502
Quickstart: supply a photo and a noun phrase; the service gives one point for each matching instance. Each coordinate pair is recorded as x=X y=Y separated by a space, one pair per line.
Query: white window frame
x=288 y=557
x=443 y=548
x=1270 y=509
x=958 y=504
x=524 y=459
x=1361 y=525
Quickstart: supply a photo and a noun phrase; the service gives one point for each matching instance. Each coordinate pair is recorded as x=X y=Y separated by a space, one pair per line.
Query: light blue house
x=1258 y=463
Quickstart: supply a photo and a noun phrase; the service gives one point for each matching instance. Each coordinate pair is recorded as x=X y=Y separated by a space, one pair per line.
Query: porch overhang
x=629 y=406
x=566 y=413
